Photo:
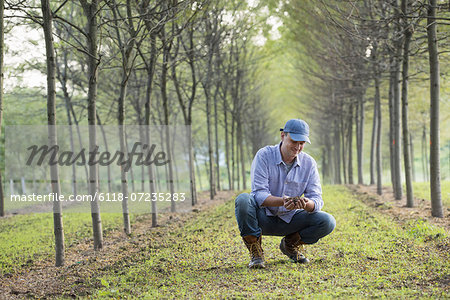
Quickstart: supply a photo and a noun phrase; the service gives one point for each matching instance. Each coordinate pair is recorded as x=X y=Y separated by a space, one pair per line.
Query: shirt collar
x=279 y=159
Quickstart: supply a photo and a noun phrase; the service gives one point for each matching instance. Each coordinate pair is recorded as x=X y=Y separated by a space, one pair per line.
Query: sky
x=22 y=49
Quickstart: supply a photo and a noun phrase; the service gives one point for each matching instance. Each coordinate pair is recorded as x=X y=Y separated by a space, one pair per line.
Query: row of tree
x=161 y=60
x=361 y=47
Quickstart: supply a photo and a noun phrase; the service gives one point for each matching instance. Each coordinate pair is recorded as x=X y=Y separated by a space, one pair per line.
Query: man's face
x=289 y=148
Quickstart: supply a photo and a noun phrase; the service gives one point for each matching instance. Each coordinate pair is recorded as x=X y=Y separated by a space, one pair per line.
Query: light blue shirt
x=269 y=177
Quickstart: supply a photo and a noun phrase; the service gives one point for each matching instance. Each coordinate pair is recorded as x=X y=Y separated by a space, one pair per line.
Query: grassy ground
x=368 y=255
x=27 y=238
x=422 y=190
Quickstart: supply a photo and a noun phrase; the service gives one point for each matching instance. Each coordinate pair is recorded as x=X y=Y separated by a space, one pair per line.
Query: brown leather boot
x=253 y=244
x=292 y=246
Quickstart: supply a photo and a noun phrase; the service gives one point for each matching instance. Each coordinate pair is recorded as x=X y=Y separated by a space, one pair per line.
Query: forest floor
x=377 y=249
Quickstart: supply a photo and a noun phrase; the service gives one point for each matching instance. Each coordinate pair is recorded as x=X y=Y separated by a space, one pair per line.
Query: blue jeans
x=252 y=220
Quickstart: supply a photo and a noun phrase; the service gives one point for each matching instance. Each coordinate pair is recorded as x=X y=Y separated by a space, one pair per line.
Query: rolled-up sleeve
x=260 y=178
x=314 y=190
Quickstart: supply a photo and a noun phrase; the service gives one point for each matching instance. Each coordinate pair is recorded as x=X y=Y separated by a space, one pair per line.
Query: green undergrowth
x=368 y=255
x=422 y=190
x=27 y=238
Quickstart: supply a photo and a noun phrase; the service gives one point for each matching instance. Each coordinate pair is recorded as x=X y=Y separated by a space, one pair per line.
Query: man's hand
x=295 y=202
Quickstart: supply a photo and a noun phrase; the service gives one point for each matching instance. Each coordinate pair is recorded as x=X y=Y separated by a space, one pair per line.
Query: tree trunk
x=227 y=146
x=405 y=75
x=350 y=145
x=52 y=134
x=242 y=156
x=425 y=154
x=191 y=165
x=378 y=130
x=373 y=144
x=396 y=108
x=2 y=7
x=105 y=142
x=411 y=149
x=199 y=174
x=344 y=151
x=337 y=153
x=216 y=139
x=360 y=138
x=165 y=100
x=435 y=176
x=337 y=142
x=324 y=164
x=233 y=159
x=150 y=73
x=391 y=123
x=124 y=151
x=91 y=12
x=238 y=158
x=131 y=170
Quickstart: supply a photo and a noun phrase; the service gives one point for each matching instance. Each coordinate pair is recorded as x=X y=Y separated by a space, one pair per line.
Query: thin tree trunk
x=212 y=187
x=91 y=12
x=405 y=75
x=425 y=163
x=199 y=174
x=216 y=138
x=337 y=143
x=397 y=108
x=165 y=100
x=391 y=123
x=242 y=155
x=227 y=146
x=238 y=158
x=411 y=147
x=378 y=130
x=344 y=151
x=52 y=134
x=337 y=153
x=105 y=142
x=330 y=161
x=2 y=3
x=233 y=168
x=360 y=135
x=350 y=145
x=131 y=171
x=373 y=143
x=150 y=73
x=191 y=166
x=435 y=176
x=324 y=164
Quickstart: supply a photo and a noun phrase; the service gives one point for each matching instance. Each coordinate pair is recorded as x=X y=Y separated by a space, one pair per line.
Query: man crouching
x=286 y=198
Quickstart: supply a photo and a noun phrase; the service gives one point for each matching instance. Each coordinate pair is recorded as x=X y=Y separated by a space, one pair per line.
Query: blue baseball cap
x=298 y=130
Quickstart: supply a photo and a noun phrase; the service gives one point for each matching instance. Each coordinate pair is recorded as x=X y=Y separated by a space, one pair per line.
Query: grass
x=422 y=190
x=368 y=255
x=25 y=238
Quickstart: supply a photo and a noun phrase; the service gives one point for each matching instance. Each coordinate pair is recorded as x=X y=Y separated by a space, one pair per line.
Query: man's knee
x=328 y=223
x=242 y=200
